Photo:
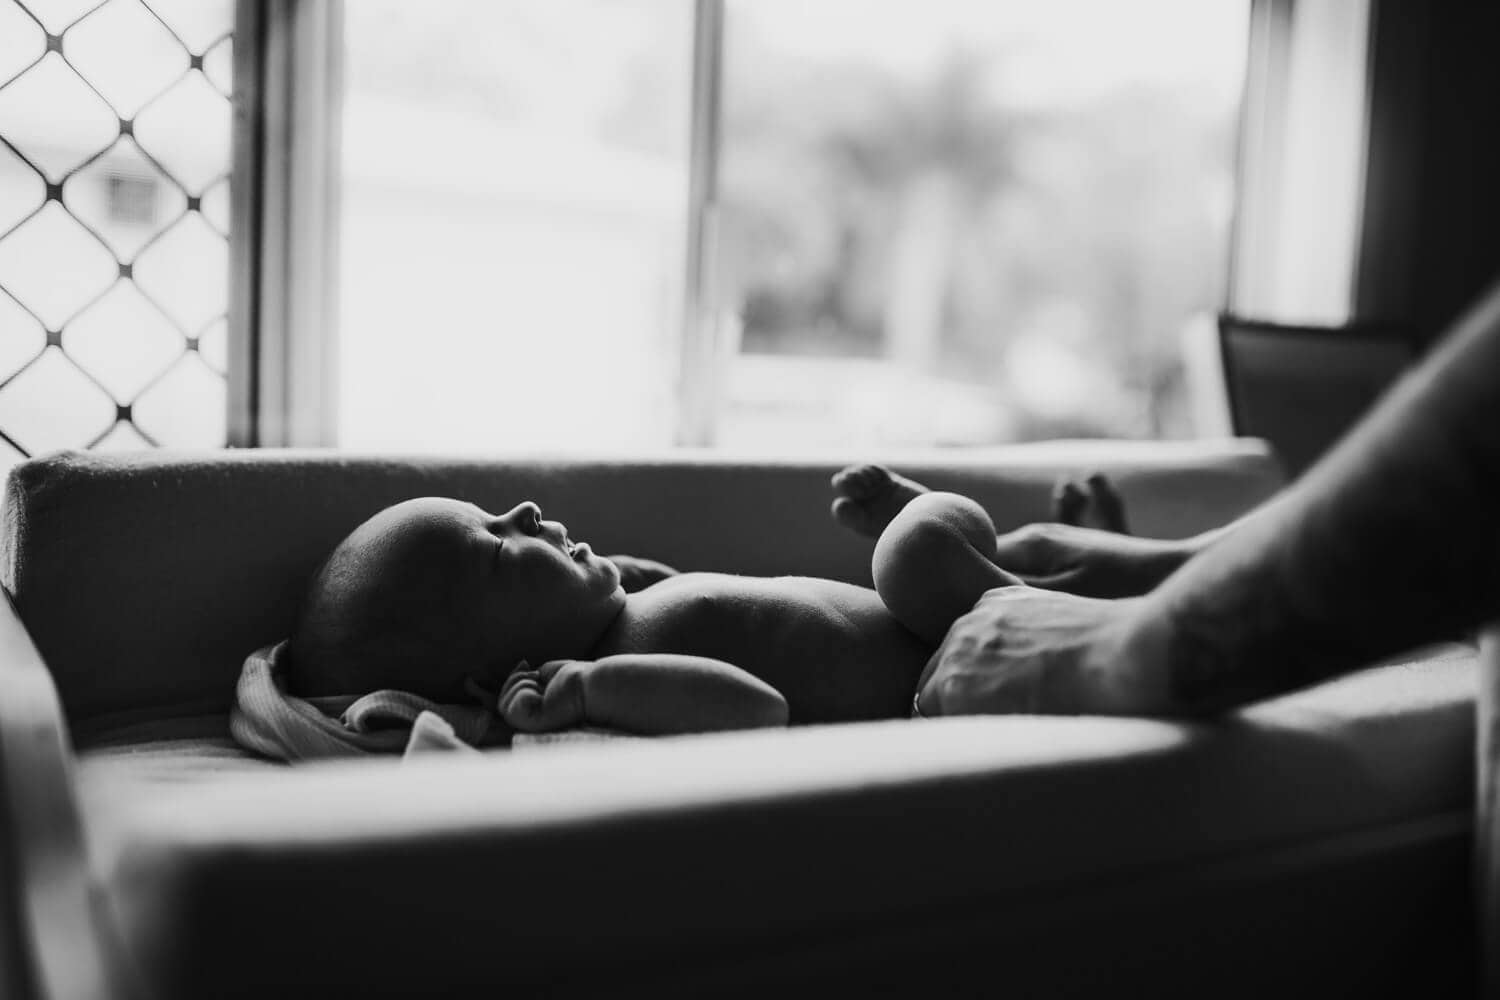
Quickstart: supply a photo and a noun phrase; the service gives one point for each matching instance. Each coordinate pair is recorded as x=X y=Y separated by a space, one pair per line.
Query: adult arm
x=1087 y=547
x=1094 y=562
x=650 y=694
x=1391 y=541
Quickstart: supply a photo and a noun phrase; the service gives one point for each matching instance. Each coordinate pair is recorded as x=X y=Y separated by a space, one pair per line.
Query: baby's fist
x=545 y=699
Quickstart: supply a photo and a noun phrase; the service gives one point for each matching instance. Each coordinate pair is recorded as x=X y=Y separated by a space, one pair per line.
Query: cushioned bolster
x=650 y=853
x=145 y=579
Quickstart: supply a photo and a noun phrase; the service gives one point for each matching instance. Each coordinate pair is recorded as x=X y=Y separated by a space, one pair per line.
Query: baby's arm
x=647 y=693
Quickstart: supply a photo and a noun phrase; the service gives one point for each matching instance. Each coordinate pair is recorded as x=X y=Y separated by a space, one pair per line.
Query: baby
x=435 y=595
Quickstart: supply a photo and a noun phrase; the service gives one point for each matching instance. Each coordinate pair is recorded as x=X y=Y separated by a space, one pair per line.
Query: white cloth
x=271 y=722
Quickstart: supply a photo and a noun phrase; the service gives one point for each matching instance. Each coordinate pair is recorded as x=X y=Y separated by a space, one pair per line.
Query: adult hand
x=1024 y=650
x=1088 y=561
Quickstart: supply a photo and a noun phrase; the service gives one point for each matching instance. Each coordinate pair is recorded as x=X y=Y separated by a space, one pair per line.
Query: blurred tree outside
x=1049 y=254
x=919 y=243
x=503 y=59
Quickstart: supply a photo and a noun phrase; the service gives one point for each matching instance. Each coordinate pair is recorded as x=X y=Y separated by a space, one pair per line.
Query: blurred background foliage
x=1014 y=229
x=933 y=222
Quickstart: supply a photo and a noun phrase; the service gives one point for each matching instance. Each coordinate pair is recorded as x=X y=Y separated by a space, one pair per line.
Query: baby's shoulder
x=701 y=593
x=727 y=600
x=729 y=589
x=660 y=617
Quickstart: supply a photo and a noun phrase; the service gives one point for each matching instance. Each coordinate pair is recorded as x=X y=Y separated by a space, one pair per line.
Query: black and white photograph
x=745 y=498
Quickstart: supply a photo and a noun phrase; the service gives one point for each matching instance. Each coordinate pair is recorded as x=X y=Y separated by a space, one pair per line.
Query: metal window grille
x=114 y=223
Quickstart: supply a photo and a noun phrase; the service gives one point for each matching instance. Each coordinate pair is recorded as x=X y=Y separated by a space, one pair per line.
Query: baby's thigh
x=934 y=561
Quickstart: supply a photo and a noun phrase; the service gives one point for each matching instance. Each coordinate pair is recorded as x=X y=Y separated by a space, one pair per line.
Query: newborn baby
x=435 y=596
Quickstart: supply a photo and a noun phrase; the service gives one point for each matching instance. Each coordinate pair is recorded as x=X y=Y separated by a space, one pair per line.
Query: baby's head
x=434 y=590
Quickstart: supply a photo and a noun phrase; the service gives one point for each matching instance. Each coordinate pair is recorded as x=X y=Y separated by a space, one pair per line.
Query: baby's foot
x=1069 y=502
x=869 y=496
x=1094 y=503
x=1109 y=508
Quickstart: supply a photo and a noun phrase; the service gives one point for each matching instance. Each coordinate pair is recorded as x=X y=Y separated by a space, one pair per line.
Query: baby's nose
x=523 y=513
x=524 y=517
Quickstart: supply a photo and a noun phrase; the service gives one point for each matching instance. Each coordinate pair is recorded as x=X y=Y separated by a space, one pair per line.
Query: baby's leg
x=934 y=560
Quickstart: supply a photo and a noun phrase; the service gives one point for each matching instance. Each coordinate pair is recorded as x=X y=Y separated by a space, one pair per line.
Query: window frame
x=284 y=251
x=284 y=231
x=697 y=405
x=1301 y=61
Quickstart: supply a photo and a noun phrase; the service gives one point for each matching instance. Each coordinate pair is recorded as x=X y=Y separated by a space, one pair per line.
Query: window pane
x=113 y=144
x=514 y=189
x=967 y=221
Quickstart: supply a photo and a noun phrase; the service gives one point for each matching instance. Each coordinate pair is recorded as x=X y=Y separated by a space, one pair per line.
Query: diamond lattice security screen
x=114 y=221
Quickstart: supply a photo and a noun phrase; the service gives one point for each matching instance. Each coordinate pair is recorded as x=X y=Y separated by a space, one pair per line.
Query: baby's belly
x=831 y=649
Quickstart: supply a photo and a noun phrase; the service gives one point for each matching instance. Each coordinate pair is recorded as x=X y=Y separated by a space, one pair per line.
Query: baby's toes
x=860 y=482
x=876 y=479
x=847 y=478
x=1108 y=508
x=853 y=515
x=1069 y=502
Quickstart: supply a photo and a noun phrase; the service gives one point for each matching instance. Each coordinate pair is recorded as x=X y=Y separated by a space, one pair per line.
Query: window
x=513 y=188
x=114 y=220
x=970 y=222
x=952 y=223
x=612 y=223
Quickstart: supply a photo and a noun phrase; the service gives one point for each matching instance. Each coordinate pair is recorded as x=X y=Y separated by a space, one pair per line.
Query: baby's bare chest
x=707 y=614
x=795 y=633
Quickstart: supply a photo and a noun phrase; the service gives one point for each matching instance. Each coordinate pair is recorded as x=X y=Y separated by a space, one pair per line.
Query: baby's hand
x=545 y=699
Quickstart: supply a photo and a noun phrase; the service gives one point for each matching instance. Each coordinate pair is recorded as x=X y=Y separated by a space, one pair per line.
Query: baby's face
x=522 y=588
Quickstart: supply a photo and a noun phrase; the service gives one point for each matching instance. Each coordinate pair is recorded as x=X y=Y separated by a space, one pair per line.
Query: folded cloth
x=431 y=733
x=273 y=723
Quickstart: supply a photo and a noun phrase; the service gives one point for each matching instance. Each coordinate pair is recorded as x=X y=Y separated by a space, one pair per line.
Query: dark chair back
x=1302 y=387
x=1487 y=814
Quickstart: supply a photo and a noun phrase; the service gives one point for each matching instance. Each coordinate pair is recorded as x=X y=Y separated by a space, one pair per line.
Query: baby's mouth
x=572 y=549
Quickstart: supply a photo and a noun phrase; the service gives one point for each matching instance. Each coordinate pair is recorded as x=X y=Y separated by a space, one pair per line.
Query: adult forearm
x=1200 y=543
x=1391 y=541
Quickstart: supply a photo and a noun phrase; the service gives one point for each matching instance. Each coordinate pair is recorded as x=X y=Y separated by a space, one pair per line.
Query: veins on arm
x=1391 y=542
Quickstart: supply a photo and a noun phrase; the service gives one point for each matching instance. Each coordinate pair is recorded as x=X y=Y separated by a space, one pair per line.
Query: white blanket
x=271 y=722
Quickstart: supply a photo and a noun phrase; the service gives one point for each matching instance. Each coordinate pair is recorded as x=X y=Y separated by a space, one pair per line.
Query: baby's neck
x=613 y=638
